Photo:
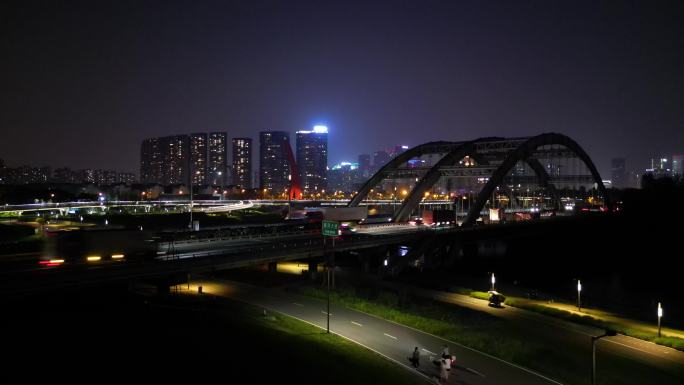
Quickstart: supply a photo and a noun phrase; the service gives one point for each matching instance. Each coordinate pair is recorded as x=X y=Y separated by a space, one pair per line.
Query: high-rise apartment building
x=151 y=162
x=274 y=167
x=163 y=160
x=218 y=158
x=242 y=162
x=312 y=158
x=198 y=158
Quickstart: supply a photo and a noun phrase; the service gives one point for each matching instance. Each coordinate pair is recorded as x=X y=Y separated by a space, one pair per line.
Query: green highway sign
x=330 y=228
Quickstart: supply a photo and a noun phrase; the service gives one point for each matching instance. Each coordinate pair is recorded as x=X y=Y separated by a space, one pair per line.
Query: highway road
x=391 y=340
x=26 y=274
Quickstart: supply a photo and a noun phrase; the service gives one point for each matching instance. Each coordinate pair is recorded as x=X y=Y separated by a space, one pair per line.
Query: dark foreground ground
x=106 y=334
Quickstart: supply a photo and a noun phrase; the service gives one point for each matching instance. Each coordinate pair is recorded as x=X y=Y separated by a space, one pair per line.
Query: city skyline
x=476 y=186
x=217 y=157
x=608 y=77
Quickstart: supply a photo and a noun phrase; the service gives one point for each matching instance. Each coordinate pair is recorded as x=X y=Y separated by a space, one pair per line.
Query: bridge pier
x=313 y=270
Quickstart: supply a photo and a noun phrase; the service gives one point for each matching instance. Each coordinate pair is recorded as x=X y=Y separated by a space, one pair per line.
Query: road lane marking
x=403 y=365
x=298 y=304
x=326 y=313
x=466 y=347
x=427 y=351
x=390 y=336
x=356 y=323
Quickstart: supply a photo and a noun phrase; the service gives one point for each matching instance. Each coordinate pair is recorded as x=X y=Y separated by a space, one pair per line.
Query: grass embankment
x=285 y=349
x=622 y=328
x=177 y=335
x=333 y=355
x=471 y=328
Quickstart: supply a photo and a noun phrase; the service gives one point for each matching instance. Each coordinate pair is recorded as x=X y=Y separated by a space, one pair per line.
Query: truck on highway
x=438 y=217
x=82 y=246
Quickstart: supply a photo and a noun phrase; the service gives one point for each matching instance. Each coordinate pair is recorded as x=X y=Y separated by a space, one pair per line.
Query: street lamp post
x=394 y=200
x=579 y=297
x=220 y=173
x=608 y=333
x=329 y=229
x=191 y=203
x=660 y=315
x=330 y=263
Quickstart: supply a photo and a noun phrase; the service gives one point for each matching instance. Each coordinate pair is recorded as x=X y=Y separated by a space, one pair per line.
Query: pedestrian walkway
x=602 y=315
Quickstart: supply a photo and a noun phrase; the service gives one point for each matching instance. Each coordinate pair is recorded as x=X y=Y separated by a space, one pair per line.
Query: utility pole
x=330 y=229
x=608 y=333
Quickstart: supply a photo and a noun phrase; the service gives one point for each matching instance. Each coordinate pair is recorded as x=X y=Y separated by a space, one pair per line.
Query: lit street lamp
x=608 y=333
x=220 y=180
x=493 y=281
x=579 y=298
x=660 y=315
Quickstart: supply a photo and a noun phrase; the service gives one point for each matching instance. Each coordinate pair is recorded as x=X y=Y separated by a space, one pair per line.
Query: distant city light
x=352 y=165
x=318 y=129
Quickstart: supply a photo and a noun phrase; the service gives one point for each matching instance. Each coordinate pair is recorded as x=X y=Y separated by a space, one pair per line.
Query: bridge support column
x=272 y=267
x=313 y=270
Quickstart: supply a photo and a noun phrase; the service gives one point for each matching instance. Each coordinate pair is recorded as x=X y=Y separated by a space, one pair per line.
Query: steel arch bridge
x=492 y=160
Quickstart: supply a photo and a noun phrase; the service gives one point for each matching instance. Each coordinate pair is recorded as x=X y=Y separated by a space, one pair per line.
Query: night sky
x=82 y=83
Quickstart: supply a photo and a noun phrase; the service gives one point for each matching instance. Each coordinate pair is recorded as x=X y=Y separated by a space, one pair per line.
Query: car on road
x=416 y=221
x=496 y=299
x=347 y=229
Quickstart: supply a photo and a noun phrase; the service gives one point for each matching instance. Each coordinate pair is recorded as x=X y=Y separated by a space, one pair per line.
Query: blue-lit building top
x=312 y=158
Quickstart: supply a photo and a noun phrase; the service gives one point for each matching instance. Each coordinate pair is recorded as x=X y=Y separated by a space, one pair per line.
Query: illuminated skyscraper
x=151 y=166
x=218 y=158
x=274 y=169
x=312 y=158
x=162 y=160
x=242 y=162
x=175 y=155
x=198 y=158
